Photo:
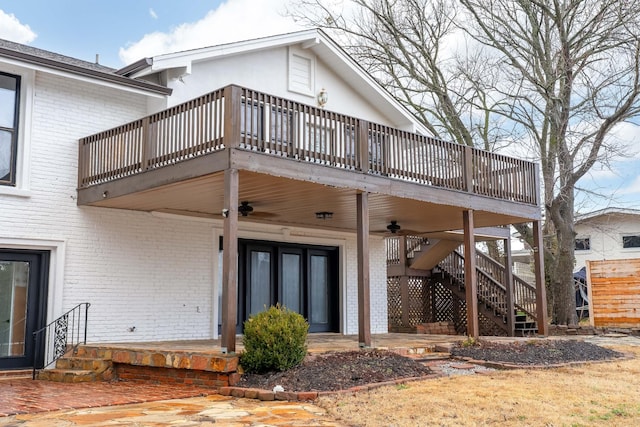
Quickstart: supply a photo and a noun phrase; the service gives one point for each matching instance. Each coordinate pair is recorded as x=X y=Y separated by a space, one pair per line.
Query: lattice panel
x=488 y=327
x=442 y=303
x=418 y=300
x=394 y=302
x=460 y=315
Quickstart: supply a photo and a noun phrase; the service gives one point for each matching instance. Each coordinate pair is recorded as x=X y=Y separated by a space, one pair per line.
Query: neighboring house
x=607 y=234
x=186 y=191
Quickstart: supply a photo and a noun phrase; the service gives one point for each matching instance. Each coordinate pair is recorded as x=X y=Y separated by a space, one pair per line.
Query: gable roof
x=606 y=212
x=315 y=39
x=47 y=60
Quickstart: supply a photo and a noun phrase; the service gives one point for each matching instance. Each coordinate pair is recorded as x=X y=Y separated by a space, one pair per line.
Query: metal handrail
x=61 y=335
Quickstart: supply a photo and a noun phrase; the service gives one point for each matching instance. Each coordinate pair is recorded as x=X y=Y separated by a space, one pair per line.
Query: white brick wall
x=154 y=273
x=378 y=286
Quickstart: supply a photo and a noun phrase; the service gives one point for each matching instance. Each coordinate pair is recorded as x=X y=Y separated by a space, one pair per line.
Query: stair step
x=93 y=352
x=525 y=325
x=67 y=375
x=428 y=357
x=83 y=363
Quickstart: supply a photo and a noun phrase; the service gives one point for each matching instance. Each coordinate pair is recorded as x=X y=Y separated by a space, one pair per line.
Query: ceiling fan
x=395 y=229
x=245 y=209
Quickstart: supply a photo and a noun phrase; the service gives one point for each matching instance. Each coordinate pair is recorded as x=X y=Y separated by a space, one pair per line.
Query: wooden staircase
x=492 y=293
x=426 y=283
x=84 y=364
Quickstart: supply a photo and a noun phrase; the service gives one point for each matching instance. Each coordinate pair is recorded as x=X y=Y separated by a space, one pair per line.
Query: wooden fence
x=614 y=293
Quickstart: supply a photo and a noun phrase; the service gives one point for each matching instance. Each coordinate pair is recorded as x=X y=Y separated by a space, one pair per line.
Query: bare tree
x=551 y=77
x=576 y=64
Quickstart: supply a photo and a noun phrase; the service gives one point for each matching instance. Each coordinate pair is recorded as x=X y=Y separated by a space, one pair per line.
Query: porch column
x=404 y=280
x=230 y=262
x=508 y=283
x=364 y=321
x=541 y=290
x=470 y=279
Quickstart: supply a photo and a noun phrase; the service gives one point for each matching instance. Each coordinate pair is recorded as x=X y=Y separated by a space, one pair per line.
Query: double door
x=302 y=278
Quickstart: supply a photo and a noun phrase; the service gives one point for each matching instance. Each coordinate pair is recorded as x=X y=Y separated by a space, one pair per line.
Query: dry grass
x=595 y=394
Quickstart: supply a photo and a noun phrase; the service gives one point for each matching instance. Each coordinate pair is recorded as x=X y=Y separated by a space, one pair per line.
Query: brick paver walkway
x=22 y=396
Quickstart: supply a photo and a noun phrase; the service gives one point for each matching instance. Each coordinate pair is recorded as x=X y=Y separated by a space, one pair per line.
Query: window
x=320 y=138
x=282 y=126
x=583 y=244
x=377 y=141
x=9 y=102
x=631 y=241
x=252 y=120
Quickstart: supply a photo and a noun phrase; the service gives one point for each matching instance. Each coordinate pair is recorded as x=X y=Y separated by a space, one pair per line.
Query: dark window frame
x=10 y=178
x=582 y=244
x=631 y=241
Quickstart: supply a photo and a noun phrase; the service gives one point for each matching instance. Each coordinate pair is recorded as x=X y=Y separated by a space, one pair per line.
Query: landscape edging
x=308 y=396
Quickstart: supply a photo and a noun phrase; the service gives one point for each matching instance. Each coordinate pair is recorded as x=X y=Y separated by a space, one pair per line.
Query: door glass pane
x=260 y=283
x=14 y=280
x=291 y=282
x=319 y=289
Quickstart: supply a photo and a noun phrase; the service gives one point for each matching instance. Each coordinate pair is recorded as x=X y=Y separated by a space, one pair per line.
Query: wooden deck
x=293 y=160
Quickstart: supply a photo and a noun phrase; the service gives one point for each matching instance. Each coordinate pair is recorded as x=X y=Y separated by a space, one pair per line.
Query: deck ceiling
x=289 y=202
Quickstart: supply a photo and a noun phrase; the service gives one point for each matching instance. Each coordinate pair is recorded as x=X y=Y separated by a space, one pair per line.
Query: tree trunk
x=561 y=285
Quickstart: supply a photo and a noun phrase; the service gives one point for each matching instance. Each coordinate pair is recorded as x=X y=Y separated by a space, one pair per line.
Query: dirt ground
x=592 y=394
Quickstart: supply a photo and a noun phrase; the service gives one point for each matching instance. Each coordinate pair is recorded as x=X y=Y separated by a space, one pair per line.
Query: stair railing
x=415 y=244
x=524 y=297
x=412 y=244
x=65 y=333
x=490 y=292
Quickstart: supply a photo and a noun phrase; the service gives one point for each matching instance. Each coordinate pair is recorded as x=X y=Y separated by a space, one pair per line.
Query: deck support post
x=364 y=321
x=508 y=283
x=541 y=290
x=404 y=280
x=230 y=261
x=470 y=279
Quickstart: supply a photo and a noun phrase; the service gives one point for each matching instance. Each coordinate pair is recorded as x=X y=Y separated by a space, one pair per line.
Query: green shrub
x=274 y=340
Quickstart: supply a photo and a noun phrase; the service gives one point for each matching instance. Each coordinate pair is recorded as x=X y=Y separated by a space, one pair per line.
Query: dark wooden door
x=23 y=285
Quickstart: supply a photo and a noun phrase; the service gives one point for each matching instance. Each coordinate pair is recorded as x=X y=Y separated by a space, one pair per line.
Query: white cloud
x=233 y=20
x=12 y=29
x=153 y=13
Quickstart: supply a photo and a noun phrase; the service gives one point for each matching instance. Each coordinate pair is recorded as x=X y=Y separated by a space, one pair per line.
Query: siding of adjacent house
x=605 y=234
x=614 y=293
x=154 y=273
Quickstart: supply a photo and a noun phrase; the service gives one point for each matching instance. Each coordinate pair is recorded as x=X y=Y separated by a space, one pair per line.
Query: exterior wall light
x=323 y=97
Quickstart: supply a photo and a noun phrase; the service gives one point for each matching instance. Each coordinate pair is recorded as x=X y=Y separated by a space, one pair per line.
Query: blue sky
x=123 y=31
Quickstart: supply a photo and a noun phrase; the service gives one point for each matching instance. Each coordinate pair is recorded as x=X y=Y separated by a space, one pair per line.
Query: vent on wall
x=301 y=72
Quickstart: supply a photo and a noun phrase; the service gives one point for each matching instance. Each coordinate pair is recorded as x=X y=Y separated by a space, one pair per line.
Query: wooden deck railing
x=235 y=117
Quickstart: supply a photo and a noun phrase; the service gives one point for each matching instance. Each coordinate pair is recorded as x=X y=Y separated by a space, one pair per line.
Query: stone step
x=84 y=364
x=67 y=375
x=429 y=357
x=93 y=352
